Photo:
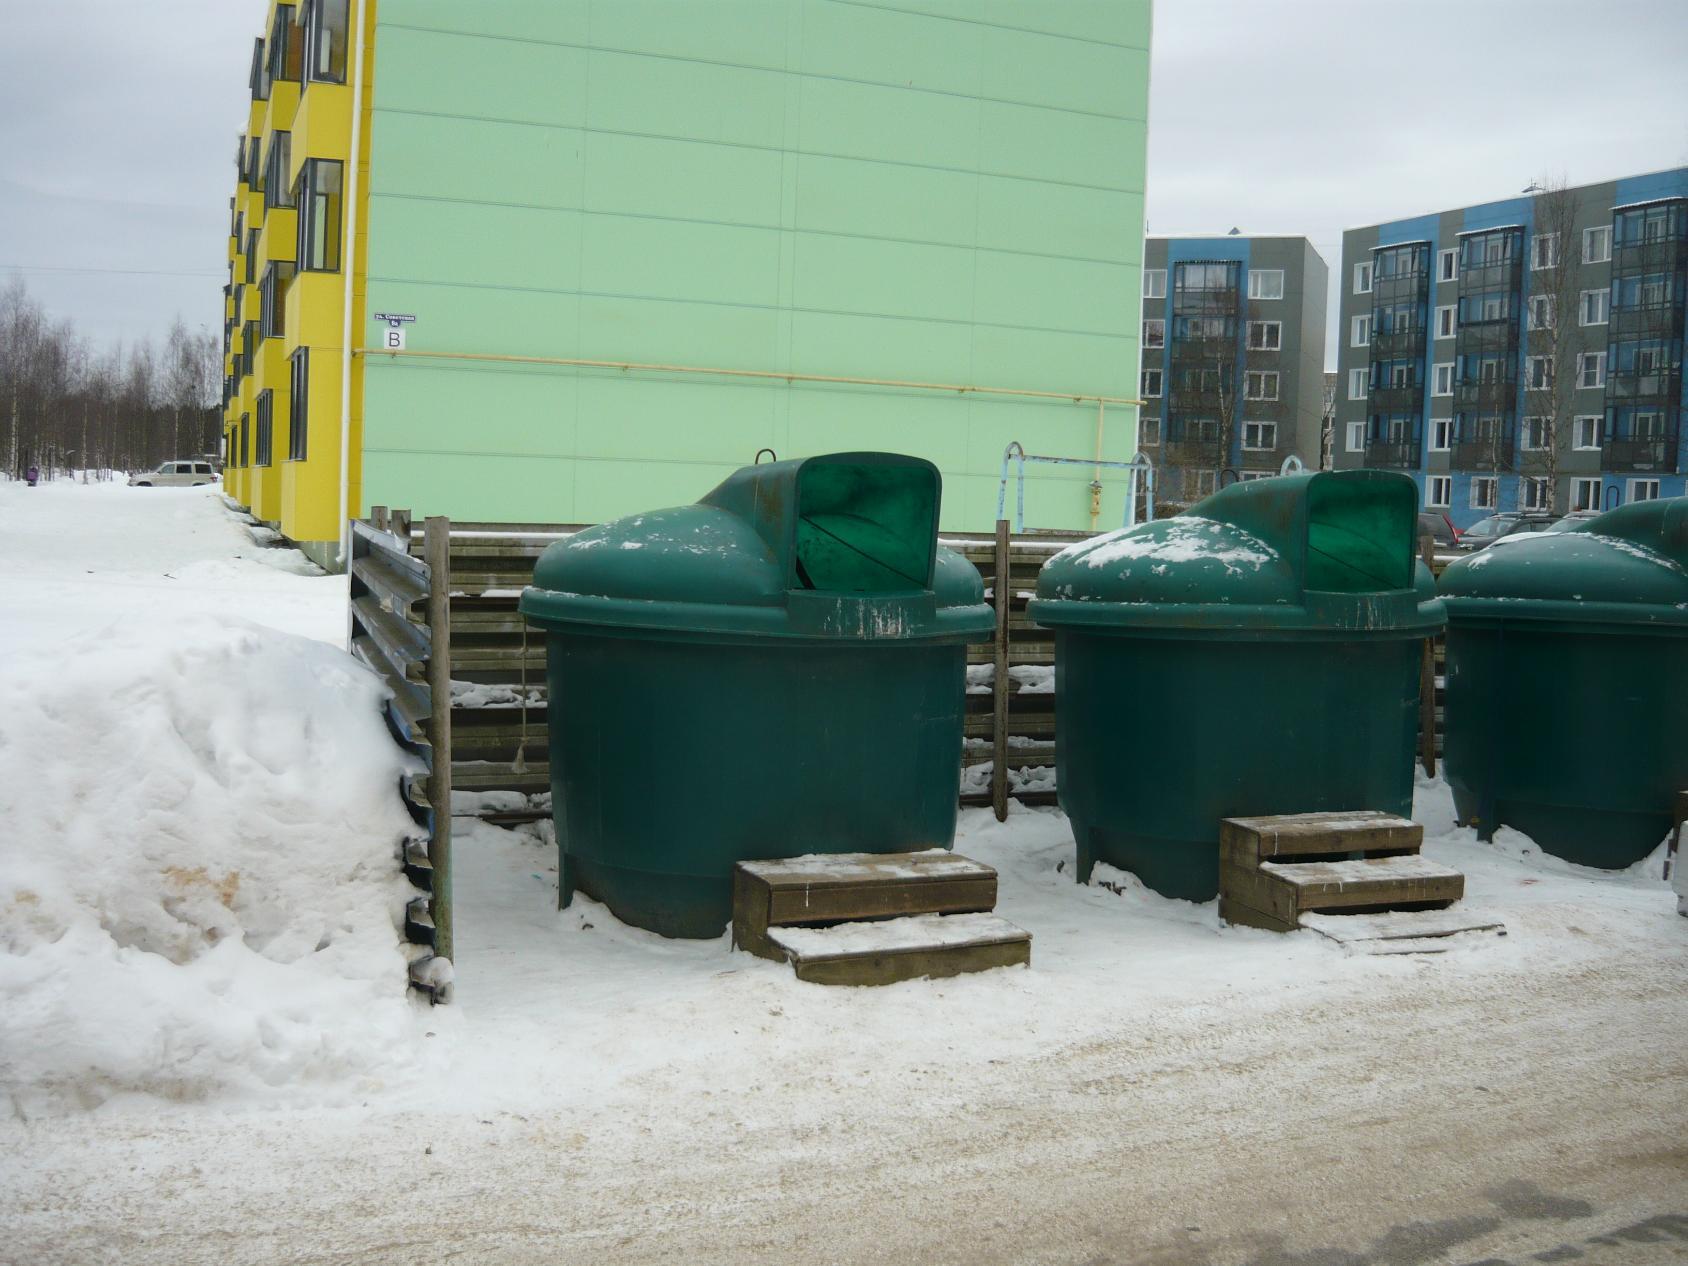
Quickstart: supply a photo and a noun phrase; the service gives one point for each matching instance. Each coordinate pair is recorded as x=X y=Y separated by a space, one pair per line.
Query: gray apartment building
x=1520 y=354
x=1233 y=358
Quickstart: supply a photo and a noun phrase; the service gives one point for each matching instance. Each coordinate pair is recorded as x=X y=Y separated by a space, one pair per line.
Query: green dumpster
x=1567 y=677
x=774 y=671
x=1257 y=654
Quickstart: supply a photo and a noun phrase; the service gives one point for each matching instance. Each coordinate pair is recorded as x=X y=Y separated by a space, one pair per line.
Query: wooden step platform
x=874 y=918
x=1356 y=877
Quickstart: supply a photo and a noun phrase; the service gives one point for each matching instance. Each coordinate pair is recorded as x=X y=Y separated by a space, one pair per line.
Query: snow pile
x=198 y=882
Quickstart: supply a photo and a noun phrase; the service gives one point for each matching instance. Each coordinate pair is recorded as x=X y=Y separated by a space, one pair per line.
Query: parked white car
x=175 y=475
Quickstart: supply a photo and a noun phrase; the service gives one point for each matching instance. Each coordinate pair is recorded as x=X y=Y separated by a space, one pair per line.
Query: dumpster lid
x=1628 y=566
x=1320 y=550
x=842 y=546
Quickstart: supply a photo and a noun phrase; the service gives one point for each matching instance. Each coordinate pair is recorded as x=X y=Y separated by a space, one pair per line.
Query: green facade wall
x=937 y=190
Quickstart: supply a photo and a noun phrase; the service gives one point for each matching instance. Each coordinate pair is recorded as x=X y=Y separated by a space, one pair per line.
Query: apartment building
x=1521 y=354
x=596 y=254
x=1233 y=358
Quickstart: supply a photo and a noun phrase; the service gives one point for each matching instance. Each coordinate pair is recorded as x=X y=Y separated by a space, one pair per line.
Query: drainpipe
x=350 y=261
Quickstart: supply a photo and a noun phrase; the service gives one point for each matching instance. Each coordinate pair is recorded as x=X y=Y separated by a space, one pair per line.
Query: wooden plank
x=1233 y=911
x=820 y=870
x=883 y=953
x=1378 y=881
x=1400 y=925
x=880 y=900
x=1303 y=834
x=1246 y=886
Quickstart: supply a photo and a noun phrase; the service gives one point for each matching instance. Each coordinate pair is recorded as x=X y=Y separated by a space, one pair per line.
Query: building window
x=272 y=301
x=1442 y=384
x=1644 y=490
x=1260 y=437
x=1534 y=493
x=1362 y=277
x=1591 y=369
x=1356 y=437
x=1441 y=434
x=1540 y=372
x=1535 y=434
x=1597 y=245
x=276 y=192
x=259 y=79
x=1151 y=389
x=1260 y=384
x=1201 y=430
x=1154 y=283
x=1447 y=264
x=1266 y=283
x=1541 y=312
x=286 y=48
x=1265 y=336
x=1361 y=333
x=1359 y=384
x=1445 y=320
x=1483 y=492
x=245 y=439
x=1585 y=494
x=1438 y=492
x=1647 y=424
x=266 y=421
x=298 y=405
x=1154 y=333
x=1544 y=250
x=324 y=24
x=318 y=197
x=1148 y=432
x=1585 y=432
x=1213 y=275
x=1596 y=307
x=1198 y=483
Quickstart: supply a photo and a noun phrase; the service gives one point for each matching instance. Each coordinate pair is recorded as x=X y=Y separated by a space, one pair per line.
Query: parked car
x=175 y=475
x=1576 y=518
x=1498 y=527
x=1438 y=527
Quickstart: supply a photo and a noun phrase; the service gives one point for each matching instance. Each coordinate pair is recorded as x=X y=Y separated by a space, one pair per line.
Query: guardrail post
x=1002 y=592
x=401 y=524
x=437 y=554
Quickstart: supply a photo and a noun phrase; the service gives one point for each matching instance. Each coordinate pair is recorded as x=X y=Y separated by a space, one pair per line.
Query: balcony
x=1479 y=337
x=1505 y=274
x=1398 y=344
x=1658 y=386
x=1659 y=320
x=1660 y=254
x=1491 y=454
x=1488 y=395
x=1654 y=455
x=1225 y=302
x=1392 y=454
x=1406 y=398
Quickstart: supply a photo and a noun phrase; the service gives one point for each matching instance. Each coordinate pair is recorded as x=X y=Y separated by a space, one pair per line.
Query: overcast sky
x=117 y=126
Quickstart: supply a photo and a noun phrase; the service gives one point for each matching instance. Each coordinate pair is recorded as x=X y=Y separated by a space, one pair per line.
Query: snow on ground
x=600 y=1093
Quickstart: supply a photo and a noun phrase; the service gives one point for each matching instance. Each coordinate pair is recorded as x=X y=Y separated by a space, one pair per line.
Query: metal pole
x=349 y=256
x=1427 y=680
x=436 y=547
x=1003 y=594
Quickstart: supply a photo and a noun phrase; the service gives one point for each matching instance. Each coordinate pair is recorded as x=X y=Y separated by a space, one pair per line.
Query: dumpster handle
x=772 y=456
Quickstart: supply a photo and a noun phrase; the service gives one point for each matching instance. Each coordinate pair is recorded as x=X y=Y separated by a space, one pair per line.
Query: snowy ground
x=1153 y=1089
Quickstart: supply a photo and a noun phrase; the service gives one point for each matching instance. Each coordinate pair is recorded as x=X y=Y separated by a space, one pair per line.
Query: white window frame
x=1447 y=320
x=1160 y=384
x=1596 y=423
x=1277 y=342
x=1637 y=485
x=1363 y=277
x=1656 y=430
x=1360 y=378
x=1206 y=482
x=1251 y=376
x=1447 y=264
x=1356 y=431
x=1260 y=448
x=1248 y=476
x=1531 y=365
x=1360 y=330
x=1605 y=307
x=1441 y=434
x=1144 y=420
x=1438 y=483
x=1492 y=483
x=1437 y=387
x=1601 y=233
x=1541 y=487
x=1154 y=283
x=1159 y=322
x=1525 y=430
x=1551 y=242
x=1584 y=360
x=1260 y=275
x=1580 y=490
x=1539 y=305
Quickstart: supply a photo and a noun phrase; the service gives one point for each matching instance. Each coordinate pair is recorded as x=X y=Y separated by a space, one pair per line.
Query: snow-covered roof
x=1651 y=202
x=1493 y=228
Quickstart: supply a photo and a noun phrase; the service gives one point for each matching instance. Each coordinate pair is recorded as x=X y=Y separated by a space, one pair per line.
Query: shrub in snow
x=198 y=880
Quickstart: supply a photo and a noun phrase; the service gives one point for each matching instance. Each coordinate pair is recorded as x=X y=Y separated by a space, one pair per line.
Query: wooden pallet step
x=882 y=952
x=836 y=887
x=1365 y=831
x=1373 y=881
x=1402 y=931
